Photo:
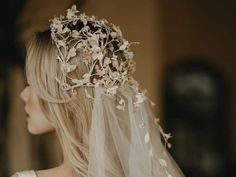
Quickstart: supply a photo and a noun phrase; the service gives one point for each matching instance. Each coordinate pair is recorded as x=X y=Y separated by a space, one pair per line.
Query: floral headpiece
x=105 y=52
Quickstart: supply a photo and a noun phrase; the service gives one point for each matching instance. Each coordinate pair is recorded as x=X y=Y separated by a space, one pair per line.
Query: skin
x=38 y=124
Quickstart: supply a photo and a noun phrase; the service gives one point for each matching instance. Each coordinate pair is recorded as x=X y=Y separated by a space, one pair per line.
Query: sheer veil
x=119 y=136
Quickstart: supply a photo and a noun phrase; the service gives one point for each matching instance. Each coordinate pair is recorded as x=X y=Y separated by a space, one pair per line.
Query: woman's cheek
x=39 y=124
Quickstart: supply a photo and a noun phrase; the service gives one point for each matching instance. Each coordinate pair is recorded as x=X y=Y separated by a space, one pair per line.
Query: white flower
x=113 y=34
x=56 y=24
x=95 y=37
x=140 y=98
x=65 y=30
x=66 y=67
x=112 y=90
x=162 y=162
x=146 y=138
x=156 y=120
x=115 y=64
x=97 y=55
x=150 y=152
x=86 y=75
x=124 y=45
x=72 y=52
x=75 y=34
x=61 y=43
x=142 y=125
x=121 y=101
x=168 y=174
x=115 y=75
x=71 y=13
x=120 y=107
x=84 y=21
x=102 y=35
x=129 y=55
x=100 y=72
x=95 y=48
x=107 y=61
x=78 y=82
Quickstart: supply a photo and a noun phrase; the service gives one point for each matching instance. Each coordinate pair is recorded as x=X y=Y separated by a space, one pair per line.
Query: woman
x=81 y=87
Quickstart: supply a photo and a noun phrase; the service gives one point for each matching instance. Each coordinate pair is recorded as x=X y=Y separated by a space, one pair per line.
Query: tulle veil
x=119 y=136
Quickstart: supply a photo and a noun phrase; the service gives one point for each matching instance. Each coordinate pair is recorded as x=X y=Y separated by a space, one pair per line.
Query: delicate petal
x=162 y=162
x=146 y=138
x=124 y=45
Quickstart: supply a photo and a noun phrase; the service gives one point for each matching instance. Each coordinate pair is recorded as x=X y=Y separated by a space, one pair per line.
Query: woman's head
x=45 y=101
x=64 y=66
x=68 y=114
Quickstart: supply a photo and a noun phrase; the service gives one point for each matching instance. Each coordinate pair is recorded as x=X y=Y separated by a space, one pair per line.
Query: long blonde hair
x=71 y=119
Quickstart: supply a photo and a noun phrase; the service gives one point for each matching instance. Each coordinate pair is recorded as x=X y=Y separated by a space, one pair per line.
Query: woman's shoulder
x=14 y=175
x=27 y=173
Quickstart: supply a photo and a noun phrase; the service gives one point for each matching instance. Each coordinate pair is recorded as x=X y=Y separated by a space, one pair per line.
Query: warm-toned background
x=186 y=60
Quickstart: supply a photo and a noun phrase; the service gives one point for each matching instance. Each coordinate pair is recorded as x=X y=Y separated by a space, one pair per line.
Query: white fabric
x=28 y=173
x=116 y=137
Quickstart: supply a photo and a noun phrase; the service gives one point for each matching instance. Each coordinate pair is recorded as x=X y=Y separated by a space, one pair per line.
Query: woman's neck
x=66 y=164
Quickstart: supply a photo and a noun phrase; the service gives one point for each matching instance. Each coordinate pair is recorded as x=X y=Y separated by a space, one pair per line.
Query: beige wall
x=166 y=30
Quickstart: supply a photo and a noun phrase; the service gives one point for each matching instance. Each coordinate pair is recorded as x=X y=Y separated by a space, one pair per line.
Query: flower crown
x=103 y=50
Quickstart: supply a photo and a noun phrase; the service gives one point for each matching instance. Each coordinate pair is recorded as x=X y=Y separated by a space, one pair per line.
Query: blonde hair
x=71 y=119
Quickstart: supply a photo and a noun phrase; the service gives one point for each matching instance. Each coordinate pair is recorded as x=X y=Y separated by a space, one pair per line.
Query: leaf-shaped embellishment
x=121 y=101
x=61 y=43
x=146 y=137
x=167 y=135
x=75 y=34
x=142 y=125
x=120 y=107
x=72 y=52
x=100 y=72
x=107 y=61
x=168 y=174
x=124 y=45
x=77 y=82
x=102 y=35
x=150 y=152
x=57 y=79
x=65 y=30
x=113 y=34
x=152 y=103
x=66 y=86
x=87 y=94
x=71 y=13
x=156 y=120
x=66 y=67
x=112 y=90
x=86 y=75
x=162 y=162
x=115 y=64
x=169 y=145
x=130 y=55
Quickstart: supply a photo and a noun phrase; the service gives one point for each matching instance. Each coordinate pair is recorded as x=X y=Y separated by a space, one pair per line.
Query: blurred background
x=186 y=60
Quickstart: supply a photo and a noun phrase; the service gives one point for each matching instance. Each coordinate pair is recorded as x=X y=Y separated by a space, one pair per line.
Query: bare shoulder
x=14 y=175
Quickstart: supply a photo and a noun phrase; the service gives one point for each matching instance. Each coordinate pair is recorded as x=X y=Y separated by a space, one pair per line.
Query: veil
x=123 y=142
x=120 y=137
